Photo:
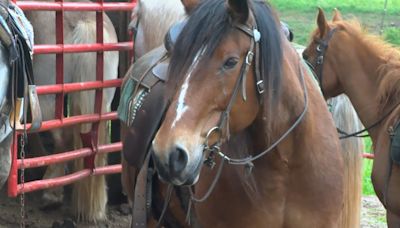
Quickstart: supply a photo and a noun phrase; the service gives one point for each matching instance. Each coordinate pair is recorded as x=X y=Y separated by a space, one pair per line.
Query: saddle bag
x=143 y=99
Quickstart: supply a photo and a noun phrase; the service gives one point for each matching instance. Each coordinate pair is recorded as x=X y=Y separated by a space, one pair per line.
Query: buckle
x=320 y=60
x=249 y=57
x=260 y=87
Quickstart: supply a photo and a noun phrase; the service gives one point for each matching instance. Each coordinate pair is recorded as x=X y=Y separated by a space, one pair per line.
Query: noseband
x=321 y=50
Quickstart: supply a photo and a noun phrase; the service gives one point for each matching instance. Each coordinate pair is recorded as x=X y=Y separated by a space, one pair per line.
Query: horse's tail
x=347 y=120
x=90 y=195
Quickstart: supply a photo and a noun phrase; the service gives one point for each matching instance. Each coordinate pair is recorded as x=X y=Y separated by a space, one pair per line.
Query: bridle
x=223 y=123
x=321 y=49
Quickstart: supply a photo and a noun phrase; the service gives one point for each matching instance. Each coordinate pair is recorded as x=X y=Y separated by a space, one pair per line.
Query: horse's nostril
x=177 y=160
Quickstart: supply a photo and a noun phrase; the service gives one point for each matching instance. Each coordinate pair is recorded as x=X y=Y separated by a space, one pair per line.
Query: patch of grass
x=372 y=6
x=300 y=15
x=367 y=169
x=392 y=35
x=366 y=179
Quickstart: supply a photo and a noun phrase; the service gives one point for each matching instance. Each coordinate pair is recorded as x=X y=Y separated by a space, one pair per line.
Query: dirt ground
x=373 y=214
x=10 y=214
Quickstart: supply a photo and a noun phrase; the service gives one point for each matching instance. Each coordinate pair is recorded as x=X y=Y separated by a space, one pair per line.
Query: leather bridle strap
x=321 y=50
x=241 y=80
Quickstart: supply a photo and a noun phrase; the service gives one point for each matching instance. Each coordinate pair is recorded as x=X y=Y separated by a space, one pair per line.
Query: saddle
x=16 y=35
x=143 y=104
x=143 y=99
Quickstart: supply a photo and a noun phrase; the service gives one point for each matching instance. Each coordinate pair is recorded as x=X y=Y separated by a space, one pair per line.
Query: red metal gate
x=60 y=89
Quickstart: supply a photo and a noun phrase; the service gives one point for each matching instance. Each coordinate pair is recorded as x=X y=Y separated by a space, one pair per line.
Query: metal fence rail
x=60 y=89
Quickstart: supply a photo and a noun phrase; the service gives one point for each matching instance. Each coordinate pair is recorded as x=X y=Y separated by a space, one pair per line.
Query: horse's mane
x=207 y=26
x=389 y=72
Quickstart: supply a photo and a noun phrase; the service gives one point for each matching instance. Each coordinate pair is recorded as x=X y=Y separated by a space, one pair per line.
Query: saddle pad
x=395 y=145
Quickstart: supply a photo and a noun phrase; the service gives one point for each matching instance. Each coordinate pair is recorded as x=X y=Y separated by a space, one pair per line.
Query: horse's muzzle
x=175 y=169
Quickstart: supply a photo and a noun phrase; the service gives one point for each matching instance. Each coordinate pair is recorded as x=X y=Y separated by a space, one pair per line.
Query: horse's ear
x=190 y=5
x=337 y=16
x=239 y=10
x=321 y=22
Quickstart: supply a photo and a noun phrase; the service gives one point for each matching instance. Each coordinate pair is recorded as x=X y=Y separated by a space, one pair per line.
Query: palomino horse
x=224 y=95
x=89 y=195
x=369 y=75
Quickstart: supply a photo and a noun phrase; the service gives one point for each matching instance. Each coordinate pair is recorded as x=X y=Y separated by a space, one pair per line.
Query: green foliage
x=392 y=35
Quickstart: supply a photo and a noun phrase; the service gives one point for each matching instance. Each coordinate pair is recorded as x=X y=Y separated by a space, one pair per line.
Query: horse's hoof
x=68 y=223
x=125 y=209
x=51 y=201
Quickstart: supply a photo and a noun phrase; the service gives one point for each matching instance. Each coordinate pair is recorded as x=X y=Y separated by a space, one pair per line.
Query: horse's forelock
x=210 y=22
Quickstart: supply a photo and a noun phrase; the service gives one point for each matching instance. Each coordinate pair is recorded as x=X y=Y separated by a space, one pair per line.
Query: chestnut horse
x=224 y=95
x=89 y=195
x=369 y=74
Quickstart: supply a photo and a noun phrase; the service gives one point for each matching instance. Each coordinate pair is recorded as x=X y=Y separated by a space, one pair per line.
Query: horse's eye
x=230 y=63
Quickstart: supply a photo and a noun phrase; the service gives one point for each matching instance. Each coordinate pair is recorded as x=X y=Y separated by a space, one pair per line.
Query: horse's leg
x=5 y=159
x=89 y=195
x=346 y=119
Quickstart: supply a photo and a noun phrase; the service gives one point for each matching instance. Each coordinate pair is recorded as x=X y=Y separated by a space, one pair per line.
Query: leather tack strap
x=139 y=217
x=138 y=139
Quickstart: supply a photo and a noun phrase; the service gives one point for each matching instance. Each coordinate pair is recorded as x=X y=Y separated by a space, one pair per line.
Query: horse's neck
x=358 y=75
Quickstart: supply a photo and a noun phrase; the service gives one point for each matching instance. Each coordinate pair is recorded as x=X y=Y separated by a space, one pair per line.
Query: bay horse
x=369 y=74
x=89 y=195
x=221 y=97
x=343 y=113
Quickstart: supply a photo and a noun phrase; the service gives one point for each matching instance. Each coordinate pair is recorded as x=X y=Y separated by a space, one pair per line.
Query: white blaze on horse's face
x=182 y=107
